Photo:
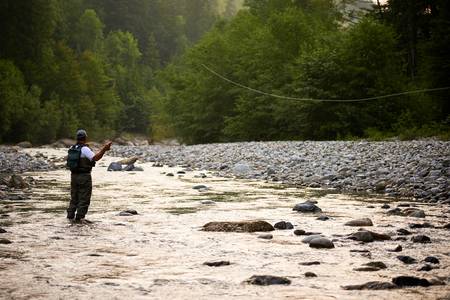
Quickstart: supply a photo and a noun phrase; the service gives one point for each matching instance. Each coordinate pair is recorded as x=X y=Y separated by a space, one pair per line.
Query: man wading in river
x=80 y=161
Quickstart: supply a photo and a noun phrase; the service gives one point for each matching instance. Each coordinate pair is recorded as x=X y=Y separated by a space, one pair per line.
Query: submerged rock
x=367 y=236
x=421 y=239
x=217 y=263
x=367 y=269
x=414 y=212
x=309 y=238
x=2 y=230
x=403 y=231
x=309 y=263
x=310 y=274
x=419 y=225
x=114 y=167
x=17 y=182
x=407 y=259
x=128 y=212
x=403 y=281
x=431 y=259
x=360 y=222
x=244 y=226
x=323 y=218
x=377 y=264
x=299 y=232
x=267 y=280
x=5 y=241
x=321 y=242
x=371 y=285
x=425 y=268
x=200 y=187
x=265 y=236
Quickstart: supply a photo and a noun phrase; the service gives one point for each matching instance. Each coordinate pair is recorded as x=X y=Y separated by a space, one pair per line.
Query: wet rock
x=321 y=242
x=362 y=236
x=309 y=263
x=170 y=175
x=282 y=225
x=385 y=206
x=446 y=226
x=265 y=236
x=425 y=268
x=437 y=281
x=432 y=259
x=129 y=168
x=360 y=250
x=360 y=222
x=128 y=212
x=200 y=187
x=217 y=263
x=396 y=249
x=402 y=231
x=413 y=212
x=244 y=226
x=2 y=230
x=307 y=207
x=376 y=264
x=267 y=280
x=418 y=225
x=299 y=232
x=421 y=239
x=207 y=202
x=323 y=218
x=395 y=212
x=17 y=182
x=406 y=281
x=406 y=259
x=372 y=285
x=310 y=274
x=114 y=167
x=5 y=241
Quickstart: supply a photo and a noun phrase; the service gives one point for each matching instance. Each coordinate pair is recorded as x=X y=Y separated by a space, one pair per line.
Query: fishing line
x=321 y=100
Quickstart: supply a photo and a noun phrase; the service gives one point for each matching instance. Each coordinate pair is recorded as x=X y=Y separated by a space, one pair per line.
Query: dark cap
x=81 y=134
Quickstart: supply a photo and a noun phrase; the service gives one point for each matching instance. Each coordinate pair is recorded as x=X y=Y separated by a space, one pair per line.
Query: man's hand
x=107 y=146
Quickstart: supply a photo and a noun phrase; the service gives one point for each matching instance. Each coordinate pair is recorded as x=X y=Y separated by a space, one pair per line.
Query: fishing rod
x=321 y=100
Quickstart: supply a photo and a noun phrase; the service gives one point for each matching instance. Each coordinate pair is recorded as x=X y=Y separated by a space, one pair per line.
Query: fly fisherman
x=80 y=161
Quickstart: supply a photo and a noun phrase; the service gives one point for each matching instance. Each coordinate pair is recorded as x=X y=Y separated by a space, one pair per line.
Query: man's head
x=81 y=135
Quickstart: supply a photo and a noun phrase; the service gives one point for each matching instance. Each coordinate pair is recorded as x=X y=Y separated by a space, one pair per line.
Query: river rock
x=243 y=226
x=207 y=202
x=128 y=212
x=385 y=206
x=403 y=231
x=406 y=259
x=5 y=241
x=376 y=264
x=24 y=144
x=360 y=222
x=170 y=175
x=114 y=167
x=217 y=263
x=321 y=242
x=396 y=249
x=309 y=263
x=299 y=232
x=421 y=239
x=310 y=274
x=17 y=182
x=282 y=225
x=425 y=268
x=366 y=269
x=267 y=280
x=406 y=281
x=371 y=285
x=265 y=236
x=307 y=207
x=323 y=218
x=362 y=236
x=432 y=260
x=200 y=187
x=414 y=212
x=419 y=225
x=2 y=230
x=309 y=238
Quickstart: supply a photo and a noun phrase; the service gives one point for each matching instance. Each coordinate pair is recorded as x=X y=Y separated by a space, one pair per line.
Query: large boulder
x=360 y=222
x=243 y=226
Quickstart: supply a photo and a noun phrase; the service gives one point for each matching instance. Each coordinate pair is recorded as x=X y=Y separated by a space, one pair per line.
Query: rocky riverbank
x=413 y=169
x=15 y=160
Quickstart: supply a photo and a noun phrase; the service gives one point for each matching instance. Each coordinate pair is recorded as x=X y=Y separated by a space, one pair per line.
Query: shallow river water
x=159 y=254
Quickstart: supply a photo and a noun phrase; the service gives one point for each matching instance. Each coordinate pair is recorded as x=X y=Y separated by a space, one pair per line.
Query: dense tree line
x=307 y=49
x=89 y=63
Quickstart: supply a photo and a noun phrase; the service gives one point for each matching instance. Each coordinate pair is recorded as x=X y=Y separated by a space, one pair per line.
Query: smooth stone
x=432 y=259
x=309 y=238
x=265 y=236
x=310 y=274
x=321 y=242
x=5 y=241
x=376 y=264
x=421 y=239
x=267 y=280
x=244 y=226
x=371 y=285
x=307 y=207
x=403 y=281
x=299 y=232
x=309 y=263
x=170 y=174
x=406 y=259
x=323 y=218
x=217 y=263
x=362 y=236
x=282 y=225
x=114 y=167
x=360 y=222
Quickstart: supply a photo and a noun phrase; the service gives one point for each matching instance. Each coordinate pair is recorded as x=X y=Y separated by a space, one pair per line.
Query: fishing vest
x=76 y=163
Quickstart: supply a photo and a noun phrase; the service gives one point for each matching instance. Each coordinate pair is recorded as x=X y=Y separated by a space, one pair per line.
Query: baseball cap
x=81 y=134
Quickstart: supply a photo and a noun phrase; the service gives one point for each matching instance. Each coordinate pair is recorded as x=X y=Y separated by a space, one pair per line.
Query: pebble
x=402 y=231
x=200 y=187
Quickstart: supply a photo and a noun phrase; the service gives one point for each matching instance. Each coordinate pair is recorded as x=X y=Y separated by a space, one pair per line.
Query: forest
x=139 y=67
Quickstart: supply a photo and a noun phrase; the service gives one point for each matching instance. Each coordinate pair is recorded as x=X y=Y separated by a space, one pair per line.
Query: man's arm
x=102 y=152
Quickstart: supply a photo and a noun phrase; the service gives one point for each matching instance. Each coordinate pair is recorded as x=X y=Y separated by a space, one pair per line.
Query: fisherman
x=80 y=161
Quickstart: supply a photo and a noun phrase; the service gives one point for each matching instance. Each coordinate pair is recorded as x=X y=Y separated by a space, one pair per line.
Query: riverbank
x=401 y=169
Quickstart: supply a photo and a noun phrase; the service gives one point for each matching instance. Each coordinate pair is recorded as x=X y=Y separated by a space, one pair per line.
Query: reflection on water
x=160 y=252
